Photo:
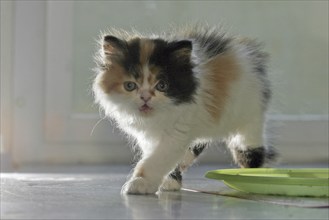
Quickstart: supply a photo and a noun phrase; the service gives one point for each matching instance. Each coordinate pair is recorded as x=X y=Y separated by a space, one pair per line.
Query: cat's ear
x=113 y=45
x=180 y=49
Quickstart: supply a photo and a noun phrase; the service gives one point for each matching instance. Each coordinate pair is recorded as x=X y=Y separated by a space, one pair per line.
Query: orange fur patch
x=223 y=70
x=112 y=80
x=146 y=49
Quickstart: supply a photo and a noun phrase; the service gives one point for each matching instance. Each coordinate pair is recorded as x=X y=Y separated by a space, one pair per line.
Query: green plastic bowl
x=288 y=182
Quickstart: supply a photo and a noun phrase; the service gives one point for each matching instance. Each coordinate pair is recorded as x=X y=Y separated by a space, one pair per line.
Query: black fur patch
x=130 y=51
x=212 y=41
x=176 y=175
x=116 y=42
x=131 y=61
x=176 y=69
x=251 y=158
x=198 y=149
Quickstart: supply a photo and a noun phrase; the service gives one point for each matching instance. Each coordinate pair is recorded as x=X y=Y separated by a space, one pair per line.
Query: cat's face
x=143 y=76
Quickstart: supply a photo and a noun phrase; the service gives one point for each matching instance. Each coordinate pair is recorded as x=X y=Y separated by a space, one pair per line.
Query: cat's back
x=214 y=41
x=231 y=70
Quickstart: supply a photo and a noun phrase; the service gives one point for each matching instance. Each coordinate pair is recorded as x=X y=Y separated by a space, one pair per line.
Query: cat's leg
x=173 y=181
x=151 y=169
x=249 y=148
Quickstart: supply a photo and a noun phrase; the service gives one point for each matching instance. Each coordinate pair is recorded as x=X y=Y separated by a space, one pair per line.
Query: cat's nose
x=145 y=96
x=145 y=99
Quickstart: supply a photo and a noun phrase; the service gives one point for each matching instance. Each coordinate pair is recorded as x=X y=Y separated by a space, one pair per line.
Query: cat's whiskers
x=100 y=120
x=97 y=123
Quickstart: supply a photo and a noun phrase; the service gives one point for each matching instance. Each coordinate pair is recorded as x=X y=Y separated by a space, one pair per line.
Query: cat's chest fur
x=166 y=123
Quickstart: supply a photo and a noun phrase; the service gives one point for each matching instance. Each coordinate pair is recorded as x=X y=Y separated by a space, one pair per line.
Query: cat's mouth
x=145 y=108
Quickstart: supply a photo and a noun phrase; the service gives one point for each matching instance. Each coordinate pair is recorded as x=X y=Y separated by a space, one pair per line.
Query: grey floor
x=94 y=193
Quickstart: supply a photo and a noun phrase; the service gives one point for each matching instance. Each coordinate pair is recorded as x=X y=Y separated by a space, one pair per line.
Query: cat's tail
x=256 y=157
x=272 y=156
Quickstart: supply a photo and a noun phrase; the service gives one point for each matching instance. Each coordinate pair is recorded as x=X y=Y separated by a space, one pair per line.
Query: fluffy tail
x=272 y=156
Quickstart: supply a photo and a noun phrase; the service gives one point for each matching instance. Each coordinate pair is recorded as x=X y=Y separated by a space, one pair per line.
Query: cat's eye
x=129 y=86
x=162 y=86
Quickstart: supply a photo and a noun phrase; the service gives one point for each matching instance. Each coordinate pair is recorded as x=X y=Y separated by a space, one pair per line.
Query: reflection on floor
x=94 y=193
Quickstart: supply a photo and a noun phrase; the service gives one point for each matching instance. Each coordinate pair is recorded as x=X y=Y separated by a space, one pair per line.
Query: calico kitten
x=175 y=93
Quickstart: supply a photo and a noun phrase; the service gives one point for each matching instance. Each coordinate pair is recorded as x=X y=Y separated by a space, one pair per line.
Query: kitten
x=175 y=93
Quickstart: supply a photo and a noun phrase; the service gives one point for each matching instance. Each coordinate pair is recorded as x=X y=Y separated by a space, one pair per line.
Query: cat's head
x=142 y=76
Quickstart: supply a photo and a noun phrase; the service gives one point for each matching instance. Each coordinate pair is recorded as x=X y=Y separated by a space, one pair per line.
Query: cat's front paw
x=139 y=185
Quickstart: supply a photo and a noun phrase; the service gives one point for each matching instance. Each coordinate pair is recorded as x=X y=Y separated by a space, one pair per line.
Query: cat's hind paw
x=170 y=184
x=139 y=185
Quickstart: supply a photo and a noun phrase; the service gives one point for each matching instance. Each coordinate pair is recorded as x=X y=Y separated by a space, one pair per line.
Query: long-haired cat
x=175 y=93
